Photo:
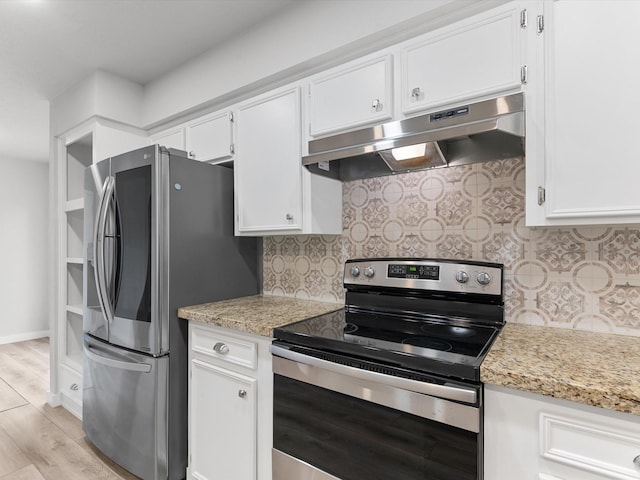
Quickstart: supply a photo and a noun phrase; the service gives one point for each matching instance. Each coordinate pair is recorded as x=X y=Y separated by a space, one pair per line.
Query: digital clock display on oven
x=420 y=272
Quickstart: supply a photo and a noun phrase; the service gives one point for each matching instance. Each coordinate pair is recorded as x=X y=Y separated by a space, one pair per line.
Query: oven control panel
x=426 y=274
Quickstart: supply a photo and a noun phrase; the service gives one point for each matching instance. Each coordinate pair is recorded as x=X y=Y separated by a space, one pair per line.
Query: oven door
x=333 y=421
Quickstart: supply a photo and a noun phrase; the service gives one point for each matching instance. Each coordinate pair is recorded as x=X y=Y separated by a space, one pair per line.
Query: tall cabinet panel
x=75 y=151
x=587 y=115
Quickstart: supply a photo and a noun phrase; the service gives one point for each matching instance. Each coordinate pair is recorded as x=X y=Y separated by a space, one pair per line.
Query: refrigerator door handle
x=112 y=362
x=98 y=247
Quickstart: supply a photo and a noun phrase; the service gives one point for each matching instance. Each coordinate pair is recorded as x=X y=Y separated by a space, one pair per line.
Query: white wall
x=306 y=36
x=24 y=241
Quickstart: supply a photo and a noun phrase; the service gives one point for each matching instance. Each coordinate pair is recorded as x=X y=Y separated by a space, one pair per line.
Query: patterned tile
x=503 y=205
x=454 y=208
x=560 y=301
x=622 y=251
x=561 y=250
x=583 y=278
x=623 y=305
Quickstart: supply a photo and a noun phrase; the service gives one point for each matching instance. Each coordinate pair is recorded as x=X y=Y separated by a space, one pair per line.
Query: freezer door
x=124 y=408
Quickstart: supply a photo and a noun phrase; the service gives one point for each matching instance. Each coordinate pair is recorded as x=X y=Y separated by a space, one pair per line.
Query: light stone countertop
x=597 y=369
x=257 y=314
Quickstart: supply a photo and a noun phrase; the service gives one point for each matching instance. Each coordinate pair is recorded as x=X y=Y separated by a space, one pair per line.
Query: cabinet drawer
x=224 y=347
x=71 y=384
x=592 y=447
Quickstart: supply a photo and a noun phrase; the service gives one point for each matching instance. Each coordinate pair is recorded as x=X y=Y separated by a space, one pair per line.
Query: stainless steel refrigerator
x=158 y=231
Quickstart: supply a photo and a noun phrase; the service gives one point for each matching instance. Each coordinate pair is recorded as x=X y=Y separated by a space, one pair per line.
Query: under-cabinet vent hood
x=475 y=132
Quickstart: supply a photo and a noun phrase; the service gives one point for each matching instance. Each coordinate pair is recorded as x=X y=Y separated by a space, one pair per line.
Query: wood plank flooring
x=38 y=442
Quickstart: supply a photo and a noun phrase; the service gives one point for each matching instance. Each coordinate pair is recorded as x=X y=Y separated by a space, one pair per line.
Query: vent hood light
x=410 y=152
x=488 y=130
x=413 y=157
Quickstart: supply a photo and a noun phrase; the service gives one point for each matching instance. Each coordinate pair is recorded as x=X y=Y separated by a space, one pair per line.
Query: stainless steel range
x=389 y=387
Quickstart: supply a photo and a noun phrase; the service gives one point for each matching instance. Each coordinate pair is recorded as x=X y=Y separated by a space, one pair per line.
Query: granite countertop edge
x=596 y=369
x=257 y=314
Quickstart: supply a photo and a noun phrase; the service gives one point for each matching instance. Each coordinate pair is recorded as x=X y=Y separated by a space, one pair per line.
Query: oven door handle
x=447 y=392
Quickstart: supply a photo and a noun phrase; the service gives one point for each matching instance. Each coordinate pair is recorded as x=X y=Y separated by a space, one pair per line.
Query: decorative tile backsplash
x=586 y=278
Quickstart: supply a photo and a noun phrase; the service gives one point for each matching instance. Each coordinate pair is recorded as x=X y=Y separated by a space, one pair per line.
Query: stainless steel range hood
x=476 y=132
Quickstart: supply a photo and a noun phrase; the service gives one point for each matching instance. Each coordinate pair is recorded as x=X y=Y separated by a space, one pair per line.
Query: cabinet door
x=591 y=105
x=268 y=167
x=478 y=56
x=222 y=424
x=173 y=138
x=211 y=138
x=351 y=97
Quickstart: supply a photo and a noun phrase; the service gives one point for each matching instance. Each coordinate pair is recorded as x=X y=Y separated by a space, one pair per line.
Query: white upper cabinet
x=171 y=138
x=274 y=193
x=357 y=94
x=268 y=163
x=586 y=122
x=471 y=58
x=210 y=138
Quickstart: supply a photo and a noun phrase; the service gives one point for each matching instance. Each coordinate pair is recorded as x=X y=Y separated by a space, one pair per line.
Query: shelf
x=79 y=157
x=74 y=205
x=75 y=260
x=74 y=283
x=73 y=351
x=75 y=308
x=227 y=162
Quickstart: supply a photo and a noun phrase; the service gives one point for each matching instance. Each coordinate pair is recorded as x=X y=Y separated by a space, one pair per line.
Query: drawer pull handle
x=242 y=393
x=74 y=387
x=636 y=463
x=221 y=348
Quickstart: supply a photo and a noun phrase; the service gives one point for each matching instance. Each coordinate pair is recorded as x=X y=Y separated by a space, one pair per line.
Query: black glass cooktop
x=448 y=346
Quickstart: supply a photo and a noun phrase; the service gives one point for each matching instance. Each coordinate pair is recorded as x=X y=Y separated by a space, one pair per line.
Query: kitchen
x=577 y=272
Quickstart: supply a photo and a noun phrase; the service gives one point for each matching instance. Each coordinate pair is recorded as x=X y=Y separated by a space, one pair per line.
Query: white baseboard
x=21 y=337
x=53 y=399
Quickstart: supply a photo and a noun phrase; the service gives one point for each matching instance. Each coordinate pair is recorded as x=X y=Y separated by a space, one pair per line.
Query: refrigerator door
x=97 y=190
x=125 y=408
x=129 y=238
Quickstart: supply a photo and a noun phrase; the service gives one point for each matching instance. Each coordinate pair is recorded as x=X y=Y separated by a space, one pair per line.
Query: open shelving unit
x=75 y=155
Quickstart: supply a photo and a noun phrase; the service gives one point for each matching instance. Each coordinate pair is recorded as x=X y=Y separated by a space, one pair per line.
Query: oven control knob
x=355 y=271
x=462 y=276
x=483 y=278
x=369 y=272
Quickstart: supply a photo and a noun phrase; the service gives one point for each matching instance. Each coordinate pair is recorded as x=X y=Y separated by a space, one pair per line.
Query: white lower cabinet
x=230 y=405
x=534 y=437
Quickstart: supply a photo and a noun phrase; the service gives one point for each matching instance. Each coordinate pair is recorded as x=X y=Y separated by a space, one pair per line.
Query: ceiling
x=47 y=46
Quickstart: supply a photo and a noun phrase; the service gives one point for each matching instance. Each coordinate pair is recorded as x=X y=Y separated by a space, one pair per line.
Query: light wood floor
x=36 y=441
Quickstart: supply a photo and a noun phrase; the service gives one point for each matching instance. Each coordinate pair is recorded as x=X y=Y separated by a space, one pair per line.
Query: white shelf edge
x=75 y=260
x=75 y=308
x=74 y=205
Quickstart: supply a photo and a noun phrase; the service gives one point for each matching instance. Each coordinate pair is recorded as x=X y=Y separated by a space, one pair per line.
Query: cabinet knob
x=221 y=348
x=636 y=463
x=415 y=93
x=288 y=216
x=376 y=104
x=74 y=387
x=192 y=154
x=242 y=393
